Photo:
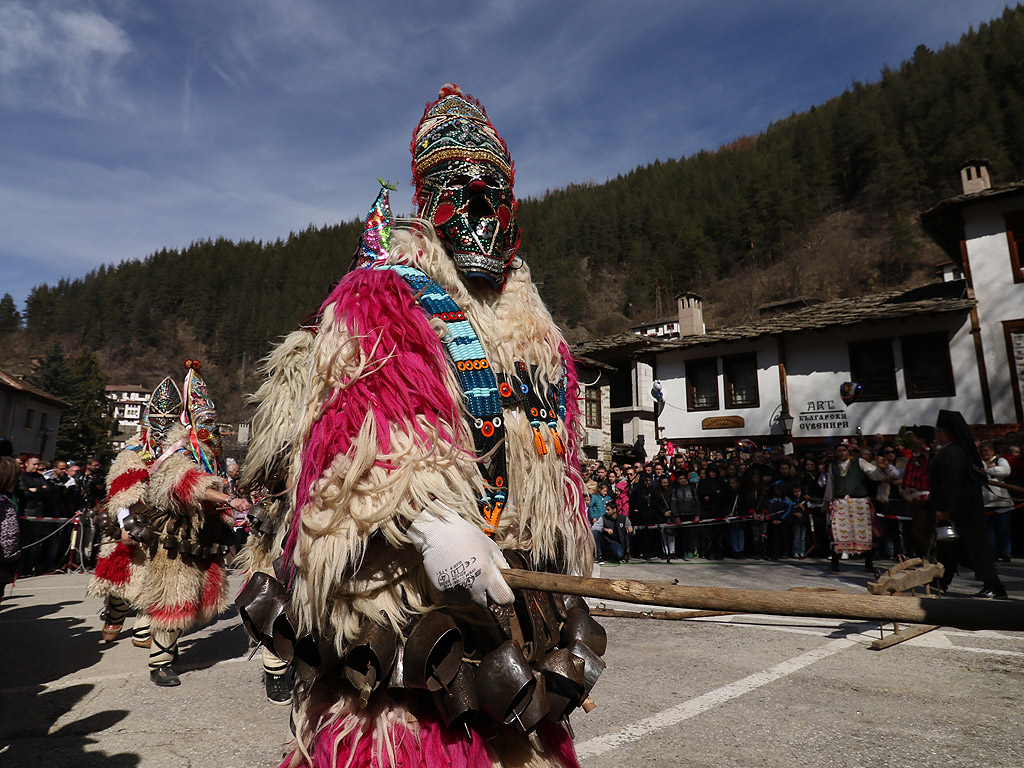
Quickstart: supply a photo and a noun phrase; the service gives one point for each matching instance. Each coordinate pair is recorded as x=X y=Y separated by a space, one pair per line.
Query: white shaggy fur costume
x=373 y=459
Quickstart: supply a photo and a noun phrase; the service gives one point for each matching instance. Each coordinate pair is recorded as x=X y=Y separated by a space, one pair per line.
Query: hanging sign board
x=722 y=422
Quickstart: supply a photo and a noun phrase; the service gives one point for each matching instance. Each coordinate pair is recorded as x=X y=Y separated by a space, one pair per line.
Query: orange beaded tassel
x=538 y=441
x=559 y=448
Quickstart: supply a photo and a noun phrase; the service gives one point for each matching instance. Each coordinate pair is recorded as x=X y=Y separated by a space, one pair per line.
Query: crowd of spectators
x=749 y=502
x=51 y=528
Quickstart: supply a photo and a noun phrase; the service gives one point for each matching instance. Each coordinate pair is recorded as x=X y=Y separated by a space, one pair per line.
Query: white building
x=128 y=401
x=29 y=417
x=595 y=393
x=982 y=230
x=911 y=352
x=956 y=345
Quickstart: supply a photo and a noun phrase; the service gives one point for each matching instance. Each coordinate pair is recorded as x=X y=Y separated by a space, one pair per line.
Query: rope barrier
x=67 y=521
x=708 y=521
x=815 y=505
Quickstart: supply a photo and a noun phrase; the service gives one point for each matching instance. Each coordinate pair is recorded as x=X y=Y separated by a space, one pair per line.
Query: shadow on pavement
x=227 y=642
x=38 y=648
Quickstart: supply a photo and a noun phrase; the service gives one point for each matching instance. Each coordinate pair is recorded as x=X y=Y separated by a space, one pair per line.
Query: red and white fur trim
x=181 y=591
x=126 y=480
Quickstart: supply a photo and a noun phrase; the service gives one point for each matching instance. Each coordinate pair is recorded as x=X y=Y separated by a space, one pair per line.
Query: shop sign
x=822 y=416
x=722 y=422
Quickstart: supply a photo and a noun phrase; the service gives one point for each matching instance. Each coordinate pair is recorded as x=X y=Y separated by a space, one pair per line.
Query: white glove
x=459 y=558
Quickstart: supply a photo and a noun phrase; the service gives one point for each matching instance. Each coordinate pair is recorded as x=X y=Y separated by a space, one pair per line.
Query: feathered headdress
x=199 y=414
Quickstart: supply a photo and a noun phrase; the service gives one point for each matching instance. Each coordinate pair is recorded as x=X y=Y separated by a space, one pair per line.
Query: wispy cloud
x=131 y=126
x=59 y=58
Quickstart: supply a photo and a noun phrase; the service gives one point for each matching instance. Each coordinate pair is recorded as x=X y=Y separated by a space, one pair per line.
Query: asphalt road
x=724 y=691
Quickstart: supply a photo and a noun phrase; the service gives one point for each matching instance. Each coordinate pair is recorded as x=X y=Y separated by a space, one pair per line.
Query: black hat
x=924 y=431
x=954 y=424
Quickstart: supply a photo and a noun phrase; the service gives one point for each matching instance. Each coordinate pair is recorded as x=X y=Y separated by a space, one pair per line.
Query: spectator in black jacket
x=661 y=507
x=712 y=492
x=35 y=497
x=645 y=542
x=92 y=489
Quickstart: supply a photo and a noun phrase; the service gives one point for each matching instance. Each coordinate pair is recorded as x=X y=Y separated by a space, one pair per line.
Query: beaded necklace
x=478 y=383
x=487 y=393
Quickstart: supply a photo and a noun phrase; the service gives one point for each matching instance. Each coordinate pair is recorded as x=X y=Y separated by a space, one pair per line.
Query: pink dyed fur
x=557 y=739
x=572 y=425
x=436 y=747
x=408 y=378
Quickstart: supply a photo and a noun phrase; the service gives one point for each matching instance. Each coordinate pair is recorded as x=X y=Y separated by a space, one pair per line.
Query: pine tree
x=10 y=317
x=92 y=411
x=85 y=425
x=52 y=373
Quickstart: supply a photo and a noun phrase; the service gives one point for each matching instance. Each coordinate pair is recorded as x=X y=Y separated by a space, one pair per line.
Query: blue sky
x=127 y=126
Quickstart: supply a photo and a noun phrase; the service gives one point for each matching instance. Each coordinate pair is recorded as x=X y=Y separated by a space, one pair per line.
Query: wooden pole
x=948 y=612
x=1007 y=486
x=619 y=613
x=901 y=636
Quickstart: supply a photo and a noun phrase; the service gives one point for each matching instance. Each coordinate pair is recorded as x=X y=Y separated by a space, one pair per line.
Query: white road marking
x=710 y=700
x=940 y=641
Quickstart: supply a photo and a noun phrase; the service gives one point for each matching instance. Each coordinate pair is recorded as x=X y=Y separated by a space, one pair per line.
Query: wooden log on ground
x=947 y=612
x=902 y=636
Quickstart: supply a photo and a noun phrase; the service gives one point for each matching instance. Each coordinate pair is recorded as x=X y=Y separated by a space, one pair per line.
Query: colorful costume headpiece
x=160 y=414
x=376 y=238
x=464 y=177
x=200 y=416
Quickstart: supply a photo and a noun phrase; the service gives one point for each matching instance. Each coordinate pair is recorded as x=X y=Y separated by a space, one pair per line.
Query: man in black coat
x=35 y=498
x=955 y=477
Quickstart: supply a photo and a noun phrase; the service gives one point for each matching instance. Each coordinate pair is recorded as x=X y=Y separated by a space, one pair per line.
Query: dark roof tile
x=881 y=305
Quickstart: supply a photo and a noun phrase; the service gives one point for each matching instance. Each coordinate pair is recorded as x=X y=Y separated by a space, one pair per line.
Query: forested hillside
x=845 y=178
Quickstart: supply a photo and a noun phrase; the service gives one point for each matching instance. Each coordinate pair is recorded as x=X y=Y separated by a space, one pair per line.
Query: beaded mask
x=200 y=415
x=162 y=412
x=464 y=177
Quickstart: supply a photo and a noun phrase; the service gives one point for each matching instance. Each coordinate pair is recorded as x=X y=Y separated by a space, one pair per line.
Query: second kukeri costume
x=442 y=409
x=185 y=531
x=271 y=467
x=120 y=566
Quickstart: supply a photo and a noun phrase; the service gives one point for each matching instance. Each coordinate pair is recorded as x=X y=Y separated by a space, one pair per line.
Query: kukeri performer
x=442 y=444
x=118 y=576
x=270 y=471
x=186 y=530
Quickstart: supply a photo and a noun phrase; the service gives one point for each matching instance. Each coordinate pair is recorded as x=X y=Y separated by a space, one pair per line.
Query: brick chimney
x=691 y=314
x=974 y=176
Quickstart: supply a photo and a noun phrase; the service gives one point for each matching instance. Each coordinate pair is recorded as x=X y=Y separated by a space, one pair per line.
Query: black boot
x=279 y=691
x=164 y=676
